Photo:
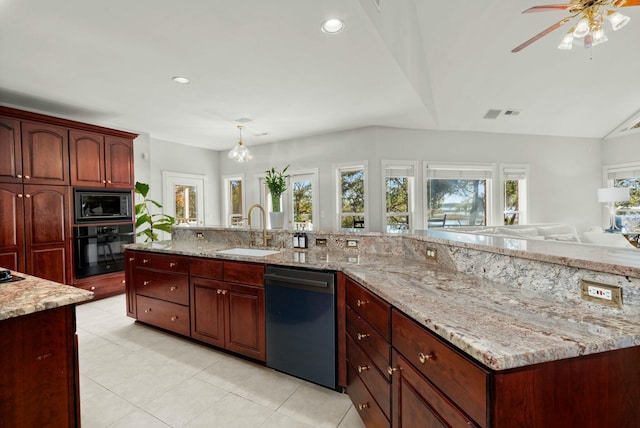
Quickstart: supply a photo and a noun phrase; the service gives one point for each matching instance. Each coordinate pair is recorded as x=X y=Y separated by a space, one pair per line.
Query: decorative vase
x=276 y=219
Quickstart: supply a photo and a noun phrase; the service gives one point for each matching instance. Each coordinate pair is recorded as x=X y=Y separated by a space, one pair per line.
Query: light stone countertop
x=499 y=325
x=33 y=294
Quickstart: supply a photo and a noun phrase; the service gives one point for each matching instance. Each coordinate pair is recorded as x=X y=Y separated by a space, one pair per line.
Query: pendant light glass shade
x=240 y=153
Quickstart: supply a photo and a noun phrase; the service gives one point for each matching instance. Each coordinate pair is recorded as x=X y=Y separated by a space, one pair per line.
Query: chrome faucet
x=265 y=236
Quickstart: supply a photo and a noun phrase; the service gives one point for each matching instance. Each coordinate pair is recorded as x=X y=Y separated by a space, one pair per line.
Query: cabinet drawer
x=368 y=409
x=102 y=285
x=370 y=307
x=369 y=340
x=454 y=374
x=167 y=315
x=376 y=383
x=166 y=262
x=205 y=268
x=162 y=285
x=244 y=273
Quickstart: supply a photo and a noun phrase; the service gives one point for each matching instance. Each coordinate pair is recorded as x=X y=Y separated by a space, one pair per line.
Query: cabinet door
x=130 y=281
x=416 y=402
x=86 y=153
x=45 y=154
x=11 y=227
x=207 y=311
x=119 y=162
x=245 y=332
x=46 y=232
x=11 y=149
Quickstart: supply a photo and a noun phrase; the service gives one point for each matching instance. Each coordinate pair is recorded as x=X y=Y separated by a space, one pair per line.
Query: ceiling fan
x=592 y=14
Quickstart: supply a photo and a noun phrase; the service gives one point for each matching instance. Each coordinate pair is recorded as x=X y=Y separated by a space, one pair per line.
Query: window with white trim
x=234 y=201
x=398 y=194
x=352 y=197
x=625 y=175
x=303 y=196
x=458 y=195
x=513 y=179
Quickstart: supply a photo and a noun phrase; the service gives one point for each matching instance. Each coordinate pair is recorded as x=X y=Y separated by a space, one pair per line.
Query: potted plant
x=277 y=184
x=154 y=222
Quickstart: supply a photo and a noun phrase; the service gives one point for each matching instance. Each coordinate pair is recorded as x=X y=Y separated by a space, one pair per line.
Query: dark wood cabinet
x=11 y=149
x=226 y=314
x=12 y=230
x=100 y=161
x=130 y=280
x=103 y=286
x=39 y=385
x=45 y=154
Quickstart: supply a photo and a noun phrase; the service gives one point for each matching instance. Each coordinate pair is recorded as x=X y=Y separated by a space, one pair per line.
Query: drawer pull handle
x=172 y=264
x=363 y=369
x=390 y=370
x=131 y=259
x=219 y=291
x=361 y=336
x=173 y=288
x=424 y=357
x=363 y=406
x=361 y=302
x=43 y=356
x=146 y=282
x=224 y=292
x=145 y=261
x=146 y=311
x=174 y=319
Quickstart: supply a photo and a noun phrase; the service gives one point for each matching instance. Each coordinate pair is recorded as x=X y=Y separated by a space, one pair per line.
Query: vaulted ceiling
x=409 y=63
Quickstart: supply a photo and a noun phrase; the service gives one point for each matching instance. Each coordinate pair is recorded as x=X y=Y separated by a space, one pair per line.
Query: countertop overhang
x=501 y=326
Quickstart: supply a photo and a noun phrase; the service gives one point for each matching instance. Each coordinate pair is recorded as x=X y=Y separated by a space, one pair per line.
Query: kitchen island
x=533 y=342
x=39 y=385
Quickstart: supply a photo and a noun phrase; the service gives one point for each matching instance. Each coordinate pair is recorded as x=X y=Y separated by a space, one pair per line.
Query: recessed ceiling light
x=332 y=26
x=182 y=80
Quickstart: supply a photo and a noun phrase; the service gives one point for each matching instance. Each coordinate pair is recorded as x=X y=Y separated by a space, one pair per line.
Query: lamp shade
x=613 y=194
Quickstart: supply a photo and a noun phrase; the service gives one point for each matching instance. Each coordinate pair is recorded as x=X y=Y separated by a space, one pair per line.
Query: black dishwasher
x=301 y=323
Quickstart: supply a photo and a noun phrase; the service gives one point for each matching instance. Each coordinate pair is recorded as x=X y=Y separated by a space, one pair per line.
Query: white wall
x=625 y=149
x=564 y=172
x=153 y=156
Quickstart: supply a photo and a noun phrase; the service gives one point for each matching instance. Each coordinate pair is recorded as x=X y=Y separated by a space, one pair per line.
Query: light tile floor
x=132 y=375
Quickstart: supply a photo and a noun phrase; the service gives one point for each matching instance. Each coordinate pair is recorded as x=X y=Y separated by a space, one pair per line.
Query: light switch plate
x=352 y=243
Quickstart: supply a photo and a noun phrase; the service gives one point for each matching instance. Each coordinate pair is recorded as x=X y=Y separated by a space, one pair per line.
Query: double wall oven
x=103 y=224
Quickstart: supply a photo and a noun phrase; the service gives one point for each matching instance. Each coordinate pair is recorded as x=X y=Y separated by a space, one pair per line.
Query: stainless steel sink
x=251 y=252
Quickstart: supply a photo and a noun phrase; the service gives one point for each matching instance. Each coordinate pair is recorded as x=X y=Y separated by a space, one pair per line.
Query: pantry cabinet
x=100 y=161
x=45 y=154
x=12 y=230
x=11 y=149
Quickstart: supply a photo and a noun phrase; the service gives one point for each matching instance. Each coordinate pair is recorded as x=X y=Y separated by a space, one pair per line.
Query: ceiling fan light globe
x=618 y=20
x=566 y=43
x=582 y=29
x=599 y=37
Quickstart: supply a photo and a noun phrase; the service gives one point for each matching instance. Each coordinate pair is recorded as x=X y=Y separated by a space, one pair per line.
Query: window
x=514 y=193
x=458 y=195
x=234 y=201
x=303 y=199
x=627 y=175
x=398 y=195
x=183 y=197
x=352 y=197
x=186 y=203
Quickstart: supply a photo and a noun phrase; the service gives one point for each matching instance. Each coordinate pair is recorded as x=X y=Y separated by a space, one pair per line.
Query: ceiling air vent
x=492 y=114
x=511 y=112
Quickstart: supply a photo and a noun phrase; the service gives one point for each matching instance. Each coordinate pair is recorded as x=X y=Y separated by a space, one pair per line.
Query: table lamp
x=611 y=195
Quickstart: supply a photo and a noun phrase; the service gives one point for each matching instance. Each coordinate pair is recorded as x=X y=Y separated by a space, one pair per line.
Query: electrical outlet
x=199 y=235
x=606 y=294
x=352 y=243
x=432 y=254
x=321 y=242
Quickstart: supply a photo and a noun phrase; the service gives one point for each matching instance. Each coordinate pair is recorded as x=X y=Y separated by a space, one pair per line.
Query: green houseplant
x=154 y=222
x=277 y=184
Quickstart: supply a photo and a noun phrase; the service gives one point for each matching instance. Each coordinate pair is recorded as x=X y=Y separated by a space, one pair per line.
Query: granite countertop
x=33 y=294
x=498 y=325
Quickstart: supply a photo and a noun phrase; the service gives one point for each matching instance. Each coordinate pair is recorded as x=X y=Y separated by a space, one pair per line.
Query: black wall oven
x=102 y=206
x=98 y=248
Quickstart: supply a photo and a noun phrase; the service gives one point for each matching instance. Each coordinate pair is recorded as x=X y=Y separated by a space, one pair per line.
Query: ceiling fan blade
x=548 y=8
x=542 y=34
x=629 y=3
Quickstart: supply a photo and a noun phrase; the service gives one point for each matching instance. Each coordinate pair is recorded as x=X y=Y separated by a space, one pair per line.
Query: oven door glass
x=98 y=249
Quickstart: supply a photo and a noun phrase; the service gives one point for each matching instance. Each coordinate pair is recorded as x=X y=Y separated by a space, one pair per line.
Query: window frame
x=399 y=164
x=227 y=179
x=346 y=167
x=523 y=191
x=315 y=198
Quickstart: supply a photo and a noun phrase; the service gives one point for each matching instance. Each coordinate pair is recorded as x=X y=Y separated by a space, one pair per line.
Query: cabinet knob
x=131 y=259
x=361 y=302
x=361 y=336
x=425 y=357
x=219 y=291
x=104 y=181
x=109 y=181
x=174 y=319
x=27 y=177
x=145 y=261
x=224 y=292
x=20 y=195
x=27 y=195
x=173 y=288
x=390 y=370
x=146 y=282
x=146 y=311
x=363 y=369
x=172 y=264
x=363 y=406
x=19 y=175
x=124 y=281
x=93 y=287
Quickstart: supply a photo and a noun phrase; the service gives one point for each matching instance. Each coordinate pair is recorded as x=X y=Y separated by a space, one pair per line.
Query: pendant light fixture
x=240 y=153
